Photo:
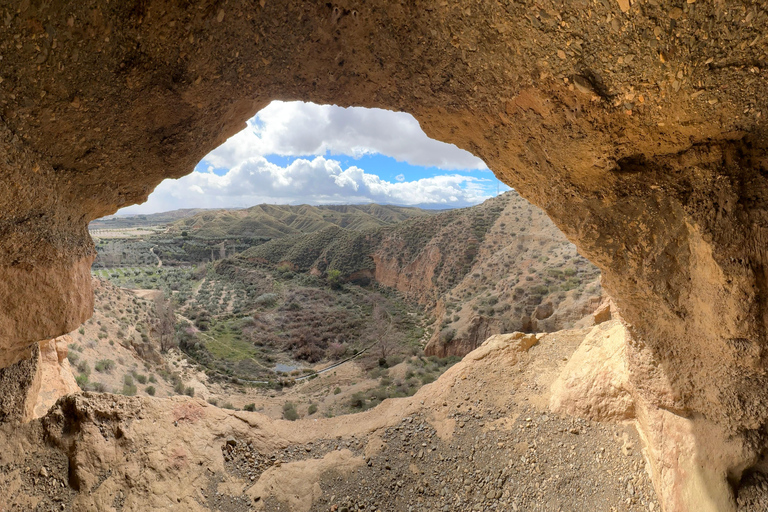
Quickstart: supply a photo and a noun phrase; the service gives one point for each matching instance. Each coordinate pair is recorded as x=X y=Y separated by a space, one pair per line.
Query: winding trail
x=159 y=261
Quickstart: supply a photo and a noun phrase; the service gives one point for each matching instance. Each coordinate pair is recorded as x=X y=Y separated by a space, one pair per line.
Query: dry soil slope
x=479 y=438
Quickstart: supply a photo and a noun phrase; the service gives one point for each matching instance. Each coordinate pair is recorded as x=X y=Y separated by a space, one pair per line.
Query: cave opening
x=317 y=236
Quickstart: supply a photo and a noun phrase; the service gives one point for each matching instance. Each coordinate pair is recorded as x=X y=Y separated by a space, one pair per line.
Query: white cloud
x=316 y=181
x=400 y=177
x=302 y=129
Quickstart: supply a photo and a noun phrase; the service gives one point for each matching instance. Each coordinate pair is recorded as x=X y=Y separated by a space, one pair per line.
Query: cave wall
x=639 y=129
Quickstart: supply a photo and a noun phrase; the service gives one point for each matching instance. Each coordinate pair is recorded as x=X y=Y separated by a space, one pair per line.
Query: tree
x=387 y=345
x=334 y=278
x=166 y=322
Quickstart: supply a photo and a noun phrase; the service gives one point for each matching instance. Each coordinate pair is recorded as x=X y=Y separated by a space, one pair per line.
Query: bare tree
x=387 y=344
x=166 y=322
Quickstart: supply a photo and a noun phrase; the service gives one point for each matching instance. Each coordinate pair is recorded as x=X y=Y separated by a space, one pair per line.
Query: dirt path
x=159 y=261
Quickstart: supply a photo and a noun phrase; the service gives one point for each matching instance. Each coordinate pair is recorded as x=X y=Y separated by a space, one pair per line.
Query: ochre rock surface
x=638 y=127
x=55 y=378
x=691 y=459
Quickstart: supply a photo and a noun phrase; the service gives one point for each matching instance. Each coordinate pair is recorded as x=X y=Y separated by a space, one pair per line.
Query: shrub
x=312 y=409
x=73 y=357
x=82 y=380
x=357 y=401
x=81 y=330
x=189 y=391
x=99 y=387
x=83 y=368
x=150 y=390
x=250 y=407
x=141 y=378
x=266 y=300
x=447 y=335
x=228 y=405
x=213 y=401
x=129 y=390
x=289 y=411
x=104 y=365
x=334 y=278
x=337 y=390
x=128 y=380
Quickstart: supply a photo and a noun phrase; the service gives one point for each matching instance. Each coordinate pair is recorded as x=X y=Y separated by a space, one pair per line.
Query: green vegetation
x=289 y=411
x=420 y=371
x=256 y=296
x=104 y=365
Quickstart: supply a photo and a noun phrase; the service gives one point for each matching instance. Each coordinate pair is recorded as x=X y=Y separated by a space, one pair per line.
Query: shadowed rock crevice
x=17 y=382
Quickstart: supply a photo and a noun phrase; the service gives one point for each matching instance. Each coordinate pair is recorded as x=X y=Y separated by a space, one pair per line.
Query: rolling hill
x=500 y=266
x=277 y=221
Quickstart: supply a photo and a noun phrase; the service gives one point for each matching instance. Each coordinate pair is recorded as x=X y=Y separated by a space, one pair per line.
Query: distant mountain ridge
x=143 y=220
x=277 y=221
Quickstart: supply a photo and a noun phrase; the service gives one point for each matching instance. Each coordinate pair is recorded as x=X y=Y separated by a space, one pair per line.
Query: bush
x=81 y=330
x=141 y=378
x=289 y=411
x=337 y=390
x=312 y=409
x=83 y=368
x=150 y=390
x=73 y=357
x=104 y=365
x=266 y=300
x=82 y=380
x=99 y=387
x=129 y=389
x=334 y=278
x=189 y=391
x=213 y=401
x=357 y=401
x=447 y=335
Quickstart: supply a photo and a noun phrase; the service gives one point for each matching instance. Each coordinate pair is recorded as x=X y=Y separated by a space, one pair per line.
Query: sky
x=303 y=153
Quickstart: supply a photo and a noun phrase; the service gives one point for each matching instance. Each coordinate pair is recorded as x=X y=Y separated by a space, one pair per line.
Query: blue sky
x=296 y=153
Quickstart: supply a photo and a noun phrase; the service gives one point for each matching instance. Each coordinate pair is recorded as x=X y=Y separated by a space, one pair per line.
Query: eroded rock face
x=639 y=129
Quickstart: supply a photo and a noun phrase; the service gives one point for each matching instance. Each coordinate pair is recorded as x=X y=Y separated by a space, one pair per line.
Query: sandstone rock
x=602 y=314
x=543 y=311
x=55 y=376
x=595 y=383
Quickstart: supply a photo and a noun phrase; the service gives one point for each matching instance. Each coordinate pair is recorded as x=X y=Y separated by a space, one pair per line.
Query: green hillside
x=276 y=221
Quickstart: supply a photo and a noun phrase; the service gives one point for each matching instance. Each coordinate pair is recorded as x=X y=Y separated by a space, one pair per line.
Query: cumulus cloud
x=304 y=129
x=316 y=181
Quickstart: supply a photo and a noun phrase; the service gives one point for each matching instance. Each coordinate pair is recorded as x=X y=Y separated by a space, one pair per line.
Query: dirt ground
x=479 y=438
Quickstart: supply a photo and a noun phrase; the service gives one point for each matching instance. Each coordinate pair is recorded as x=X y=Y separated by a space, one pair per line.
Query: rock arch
x=640 y=129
